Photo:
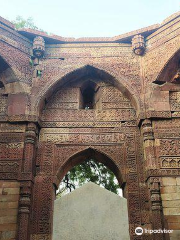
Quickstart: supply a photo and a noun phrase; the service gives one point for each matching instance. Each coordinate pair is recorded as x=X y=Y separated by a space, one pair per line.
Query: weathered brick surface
x=178 y=181
x=169 y=181
x=9 y=198
x=175 y=235
x=169 y=189
x=171 y=204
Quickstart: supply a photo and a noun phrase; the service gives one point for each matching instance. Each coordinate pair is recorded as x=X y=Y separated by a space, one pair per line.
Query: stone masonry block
x=170 y=196
x=11 y=190
x=168 y=181
x=171 y=204
x=6 y=184
x=173 y=218
x=8 y=205
x=6 y=235
x=169 y=189
x=8 y=219
x=8 y=212
x=9 y=198
x=17 y=104
x=175 y=235
x=171 y=211
x=178 y=181
x=174 y=226
x=8 y=227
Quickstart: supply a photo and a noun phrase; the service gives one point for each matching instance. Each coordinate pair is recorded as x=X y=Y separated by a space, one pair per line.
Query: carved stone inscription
x=175 y=101
x=82 y=137
x=88 y=115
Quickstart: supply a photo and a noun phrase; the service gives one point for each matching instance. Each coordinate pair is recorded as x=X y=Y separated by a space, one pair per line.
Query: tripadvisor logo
x=139 y=231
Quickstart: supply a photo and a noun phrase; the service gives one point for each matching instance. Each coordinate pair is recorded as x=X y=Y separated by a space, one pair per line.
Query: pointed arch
x=7 y=71
x=85 y=154
x=77 y=73
x=169 y=69
x=18 y=62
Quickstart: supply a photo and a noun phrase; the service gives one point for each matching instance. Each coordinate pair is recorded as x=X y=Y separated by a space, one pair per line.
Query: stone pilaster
x=29 y=148
x=26 y=179
x=156 y=207
x=148 y=141
x=24 y=210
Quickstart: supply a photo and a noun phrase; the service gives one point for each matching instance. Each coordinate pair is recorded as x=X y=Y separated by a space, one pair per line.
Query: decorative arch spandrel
x=18 y=61
x=73 y=73
x=157 y=58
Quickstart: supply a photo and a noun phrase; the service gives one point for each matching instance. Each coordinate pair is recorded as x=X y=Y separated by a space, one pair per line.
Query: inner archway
x=90 y=165
x=90 y=153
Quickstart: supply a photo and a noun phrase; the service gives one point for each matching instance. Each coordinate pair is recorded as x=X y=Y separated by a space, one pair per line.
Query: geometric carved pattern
x=9 y=167
x=170 y=147
x=90 y=115
x=3 y=105
x=175 y=101
x=170 y=162
x=7 y=127
x=65 y=99
x=11 y=151
x=111 y=94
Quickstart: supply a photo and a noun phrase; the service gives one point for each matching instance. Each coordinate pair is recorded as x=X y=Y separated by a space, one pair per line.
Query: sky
x=90 y=18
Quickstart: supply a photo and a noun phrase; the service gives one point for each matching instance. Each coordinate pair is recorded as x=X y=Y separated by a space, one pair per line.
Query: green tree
x=89 y=171
x=20 y=22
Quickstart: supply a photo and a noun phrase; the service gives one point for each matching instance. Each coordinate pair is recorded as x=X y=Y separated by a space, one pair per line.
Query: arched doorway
x=68 y=130
x=85 y=155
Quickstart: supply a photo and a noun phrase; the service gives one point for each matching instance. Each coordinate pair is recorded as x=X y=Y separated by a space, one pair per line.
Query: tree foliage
x=89 y=171
x=20 y=22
